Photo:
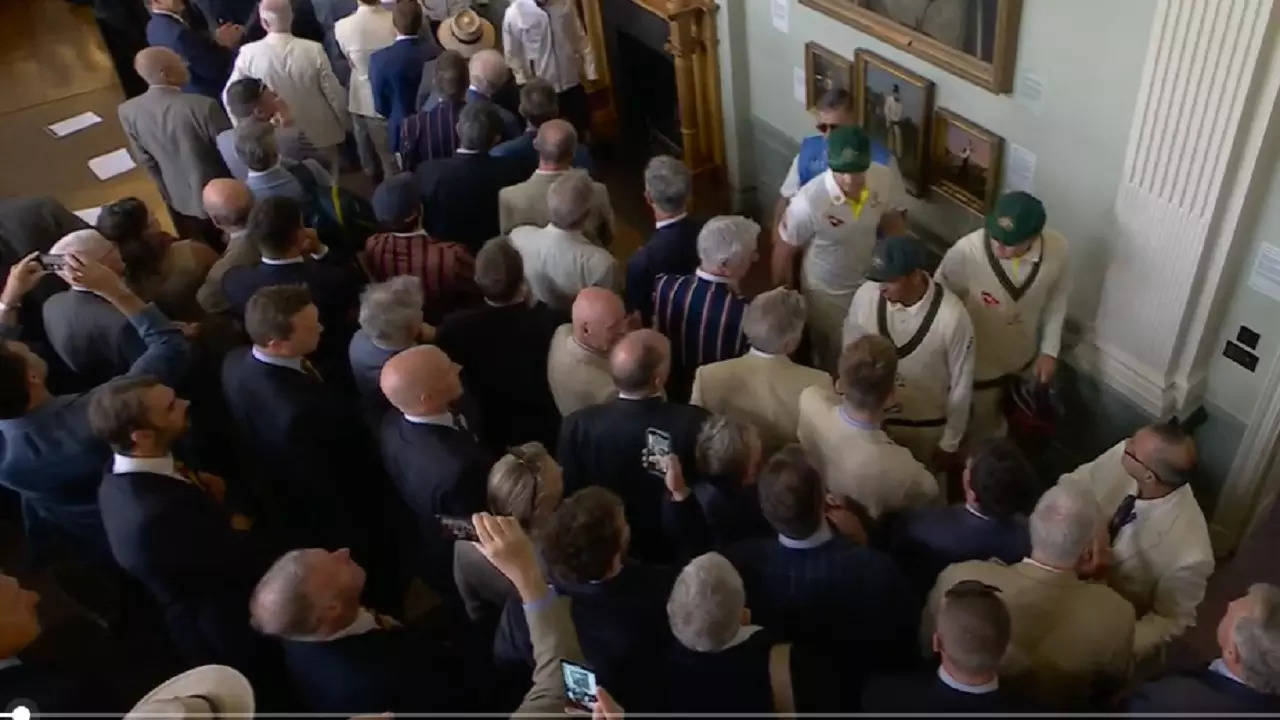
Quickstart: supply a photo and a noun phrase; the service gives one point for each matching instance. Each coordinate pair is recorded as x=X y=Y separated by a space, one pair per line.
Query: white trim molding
x=1207 y=91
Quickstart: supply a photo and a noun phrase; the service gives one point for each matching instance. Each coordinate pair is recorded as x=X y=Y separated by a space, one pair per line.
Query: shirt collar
x=920 y=305
x=121 y=464
x=955 y=684
x=637 y=396
x=554 y=173
x=175 y=16
x=473 y=89
x=364 y=622
x=712 y=278
x=744 y=632
x=1030 y=561
x=833 y=188
x=1219 y=666
x=282 y=261
x=406 y=37
x=291 y=363
x=585 y=349
x=974 y=511
x=259 y=173
x=763 y=354
x=9 y=662
x=818 y=538
x=466 y=151
x=445 y=419
x=670 y=221
x=852 y=422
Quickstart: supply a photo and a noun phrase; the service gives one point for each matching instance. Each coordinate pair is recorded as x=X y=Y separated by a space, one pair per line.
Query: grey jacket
x=173 y=135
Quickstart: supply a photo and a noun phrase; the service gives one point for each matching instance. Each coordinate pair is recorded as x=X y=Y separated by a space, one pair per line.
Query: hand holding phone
x=52 y=262
x=579 y=685
x=657 y=446
x=458 y=528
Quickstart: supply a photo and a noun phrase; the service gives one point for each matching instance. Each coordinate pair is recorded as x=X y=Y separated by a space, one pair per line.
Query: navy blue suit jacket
x=208 y=62
x=703 y=320
x=461 y=196
x=176 y=540
x=52 y=459
x=848 y=600
x=300 y=446
x=622 y=628
x=1200 y=691
x=671 y=250
x=512 y=126
x=925 y=692
x=392 y=670
x=395 y=73
x=926 y=540
x=521 y=152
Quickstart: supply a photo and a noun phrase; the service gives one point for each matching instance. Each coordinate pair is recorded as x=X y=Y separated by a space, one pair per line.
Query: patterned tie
x=1123 y=516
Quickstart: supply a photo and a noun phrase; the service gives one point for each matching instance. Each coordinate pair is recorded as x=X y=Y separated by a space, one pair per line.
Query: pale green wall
x=1089 y=53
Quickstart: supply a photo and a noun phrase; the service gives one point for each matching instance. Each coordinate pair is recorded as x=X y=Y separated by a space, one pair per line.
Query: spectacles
x=971 y=588
x=531 y=466
x=1128 y=452
x=825 y=128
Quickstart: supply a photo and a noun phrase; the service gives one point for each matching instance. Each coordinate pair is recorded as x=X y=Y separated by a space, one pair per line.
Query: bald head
x=421 y=381
x=640 y=362
x=276 y=15
x=599 y=319
x=488 y=71
x=160 y=66
x=227 y=203
x=556 y=143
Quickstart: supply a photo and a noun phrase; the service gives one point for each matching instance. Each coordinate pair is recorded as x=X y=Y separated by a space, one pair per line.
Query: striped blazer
x=702 y=317
x=430 y=135
x=445 y=269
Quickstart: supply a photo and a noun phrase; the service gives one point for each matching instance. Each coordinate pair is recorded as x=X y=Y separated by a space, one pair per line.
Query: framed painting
x=965 y=161
x=974 y=39
x=824 y=70
x=894 y=106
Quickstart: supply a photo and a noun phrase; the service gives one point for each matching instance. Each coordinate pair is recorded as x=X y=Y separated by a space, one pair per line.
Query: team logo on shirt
x=1005 y=223
x=835 y=221
x=989 y=300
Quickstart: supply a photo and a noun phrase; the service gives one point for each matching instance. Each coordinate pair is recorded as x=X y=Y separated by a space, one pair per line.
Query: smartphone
x=657 y=445
x=579 y=685
x=52 y=261
x=458 y=528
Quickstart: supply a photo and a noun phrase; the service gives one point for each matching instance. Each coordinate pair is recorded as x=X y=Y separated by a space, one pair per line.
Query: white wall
x=1089 y=53
x=1231 y=387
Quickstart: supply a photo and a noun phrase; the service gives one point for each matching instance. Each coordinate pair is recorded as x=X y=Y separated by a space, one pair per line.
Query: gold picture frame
x=996 y=43
x=824 y=69
x=884 y=90
x=965 y=161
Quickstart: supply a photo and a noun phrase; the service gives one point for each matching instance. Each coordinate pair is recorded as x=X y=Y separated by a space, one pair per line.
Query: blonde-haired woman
x=526 y=484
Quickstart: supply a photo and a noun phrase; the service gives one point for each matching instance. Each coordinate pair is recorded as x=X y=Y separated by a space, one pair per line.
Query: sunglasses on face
x=825 y=128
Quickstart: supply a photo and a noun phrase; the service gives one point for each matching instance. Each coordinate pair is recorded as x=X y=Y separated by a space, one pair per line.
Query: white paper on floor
x=89 y=215
x=63 y=128
x=112 y=164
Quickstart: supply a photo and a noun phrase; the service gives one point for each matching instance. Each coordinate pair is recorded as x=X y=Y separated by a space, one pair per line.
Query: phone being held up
x=579 y=685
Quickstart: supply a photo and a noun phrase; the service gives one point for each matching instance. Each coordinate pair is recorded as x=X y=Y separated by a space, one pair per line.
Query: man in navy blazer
x=293 y=255
x=48 y=453
x=430 y=451
x=814 y=584
x=1244 y=679
x=538 y=104
x=343 y=658
x=997 y=482
x=209 y=55
x=673 y=247
x=298 y=436
x=168 y=526
x=396 y=70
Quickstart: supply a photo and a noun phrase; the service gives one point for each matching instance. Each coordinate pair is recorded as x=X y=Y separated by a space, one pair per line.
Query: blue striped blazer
x=702 y=316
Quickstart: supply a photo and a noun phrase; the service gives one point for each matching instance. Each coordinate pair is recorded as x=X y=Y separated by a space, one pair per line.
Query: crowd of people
x=409 y=452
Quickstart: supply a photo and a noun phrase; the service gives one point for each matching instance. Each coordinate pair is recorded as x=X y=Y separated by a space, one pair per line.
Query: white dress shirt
x=121 y=464
x=359 y=35
x=445 y=419
x=298 y=71
x=949 y=680
x=294 y=363
x=547 y=42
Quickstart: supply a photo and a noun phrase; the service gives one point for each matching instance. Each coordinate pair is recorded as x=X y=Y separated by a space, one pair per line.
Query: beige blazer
x=1071 y=640
x=553 y=636
x=526 y=204
x=764 y=389
x=578 y=377
x=861 y=463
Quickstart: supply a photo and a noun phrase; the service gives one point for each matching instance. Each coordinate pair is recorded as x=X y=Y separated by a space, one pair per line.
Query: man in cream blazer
x=526 y=202
x=764 y=385
x=1072 y=640
x=1161 y=558
x=578 y=361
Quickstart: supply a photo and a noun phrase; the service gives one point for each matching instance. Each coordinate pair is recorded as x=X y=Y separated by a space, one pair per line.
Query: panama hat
x=215 y=690
x=467 y=33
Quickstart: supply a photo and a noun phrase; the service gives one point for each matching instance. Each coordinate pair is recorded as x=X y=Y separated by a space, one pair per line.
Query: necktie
x=311 y=370
x=1123 y=516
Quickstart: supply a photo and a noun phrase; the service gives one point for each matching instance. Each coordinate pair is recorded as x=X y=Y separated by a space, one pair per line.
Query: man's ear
x=937 y=643
x=142 y=436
